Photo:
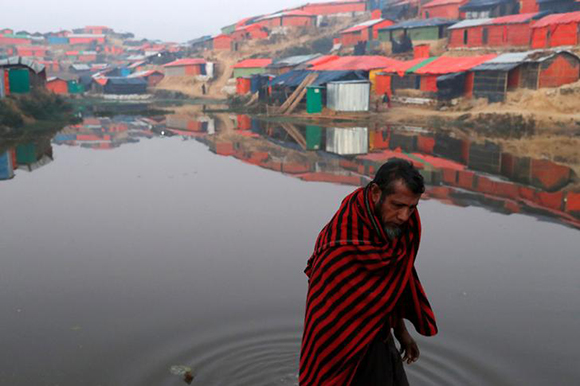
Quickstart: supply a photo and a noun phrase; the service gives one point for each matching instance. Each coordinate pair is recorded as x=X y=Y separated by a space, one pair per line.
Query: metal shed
x=351 y=95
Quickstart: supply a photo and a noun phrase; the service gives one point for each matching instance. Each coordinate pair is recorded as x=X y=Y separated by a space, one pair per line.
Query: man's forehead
x=403 y=193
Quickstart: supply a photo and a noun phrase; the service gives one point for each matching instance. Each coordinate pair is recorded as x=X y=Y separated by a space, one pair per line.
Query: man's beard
x=392 y=231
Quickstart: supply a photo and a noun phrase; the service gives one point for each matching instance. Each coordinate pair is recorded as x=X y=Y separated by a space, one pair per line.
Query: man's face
x=395 y=209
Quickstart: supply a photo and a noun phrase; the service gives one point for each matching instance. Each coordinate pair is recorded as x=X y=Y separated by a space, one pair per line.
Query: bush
x=9 y=117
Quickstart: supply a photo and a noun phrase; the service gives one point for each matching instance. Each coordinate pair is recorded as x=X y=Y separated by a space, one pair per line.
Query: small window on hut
x=465 y=37
x=485 y=36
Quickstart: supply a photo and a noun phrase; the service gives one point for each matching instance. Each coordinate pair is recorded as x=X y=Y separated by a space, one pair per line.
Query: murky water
x=132 y=245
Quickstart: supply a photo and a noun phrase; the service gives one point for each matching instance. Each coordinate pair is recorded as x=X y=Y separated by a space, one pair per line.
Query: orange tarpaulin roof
x=559 y=18
x=253 y=63
x=401 y=67
x=354 y=63
x=448 y=64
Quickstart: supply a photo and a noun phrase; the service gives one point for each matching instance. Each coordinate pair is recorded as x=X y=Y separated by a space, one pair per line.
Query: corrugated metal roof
x=470 y=23
x=16 y=60
x=293 y=61
x=495 y=67
x=560 y=18
x=436 y=3
x=253 y=63
x=362 y=26
x=285 y=14
x=186 y=62
x=143 y=74
x=409 y=24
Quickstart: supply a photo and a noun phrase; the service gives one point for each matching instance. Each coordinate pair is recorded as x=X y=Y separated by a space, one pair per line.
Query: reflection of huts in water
x=7 y=160
x=33 y=155
x=184 y=123
x=532 y=70
x=347 y=141
x=23 y=75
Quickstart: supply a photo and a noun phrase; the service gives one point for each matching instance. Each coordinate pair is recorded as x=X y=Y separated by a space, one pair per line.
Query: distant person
x=362 y=283
x=387 y=100
x=203 y=89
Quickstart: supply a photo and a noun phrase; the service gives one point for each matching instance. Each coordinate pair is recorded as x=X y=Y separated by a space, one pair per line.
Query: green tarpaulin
x=19 y=80
x=422 y=64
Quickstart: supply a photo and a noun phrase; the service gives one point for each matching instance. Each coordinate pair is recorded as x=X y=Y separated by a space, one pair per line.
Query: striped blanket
x=359 y=280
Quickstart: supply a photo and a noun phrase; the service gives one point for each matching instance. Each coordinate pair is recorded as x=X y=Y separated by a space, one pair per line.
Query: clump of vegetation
x=16 y=112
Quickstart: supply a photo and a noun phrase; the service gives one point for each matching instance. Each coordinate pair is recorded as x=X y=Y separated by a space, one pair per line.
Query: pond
x=131 y=245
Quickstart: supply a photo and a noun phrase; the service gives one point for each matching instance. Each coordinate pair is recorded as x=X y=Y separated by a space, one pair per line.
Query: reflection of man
x=362 y=283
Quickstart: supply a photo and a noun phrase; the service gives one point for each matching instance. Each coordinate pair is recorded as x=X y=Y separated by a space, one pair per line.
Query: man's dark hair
x=397 y=169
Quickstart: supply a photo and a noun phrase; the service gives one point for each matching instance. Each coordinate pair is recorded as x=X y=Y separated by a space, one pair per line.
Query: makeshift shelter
x=37 y=51
x=351 y=95
x=448 y=9
x=445 y=65
x=477 y=9
x=335 y=7
x=556 y=30
x=399 y=76
x=57 y=85
x=250 y=67
x=153 y=77
x=281 y=66
x=243 y=85
x=85 y=39
x=404 y=34
x=505 y=31
x=23 y=75
x=186 y=67
x=125 y=86
x=363 y=32
x=250 y=32
x=223 y=43
x=294 y=18
x=532 y=69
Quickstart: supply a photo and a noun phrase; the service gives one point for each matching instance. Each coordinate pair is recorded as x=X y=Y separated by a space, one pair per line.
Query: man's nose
x=403 y=214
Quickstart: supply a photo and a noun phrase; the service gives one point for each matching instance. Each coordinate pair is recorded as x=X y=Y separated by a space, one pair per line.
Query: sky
x=167 y=20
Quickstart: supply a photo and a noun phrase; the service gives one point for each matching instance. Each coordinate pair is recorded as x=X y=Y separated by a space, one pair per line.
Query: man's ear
x=375 y=193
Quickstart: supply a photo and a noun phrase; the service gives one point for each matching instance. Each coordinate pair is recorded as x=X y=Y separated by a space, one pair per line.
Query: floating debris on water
x=183 y=371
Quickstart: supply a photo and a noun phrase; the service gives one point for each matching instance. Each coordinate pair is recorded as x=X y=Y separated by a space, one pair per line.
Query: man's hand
x=409 y=348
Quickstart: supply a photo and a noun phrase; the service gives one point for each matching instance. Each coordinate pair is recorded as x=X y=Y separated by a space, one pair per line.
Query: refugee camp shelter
x=363 y=32
x=407 y=33
x=478 y=9
x=504 y=31
x=186 y=67
x=250 y=32
x=125 y=86
x=294 y=18
x=22 y=74
x=14 y=39
x=344 y=7
x=353 y=63
x=349 y=95
x=399 y=75
x=531 y=69
x=250 y=67
x=37 y=51
x=447 y=9
x=223 y=43
x=556 y=30
x=85 y=39
x=57 y=85
x=153 y=77
x=281 y=66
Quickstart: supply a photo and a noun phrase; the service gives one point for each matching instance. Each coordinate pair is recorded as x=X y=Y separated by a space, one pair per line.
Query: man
x=362 y=283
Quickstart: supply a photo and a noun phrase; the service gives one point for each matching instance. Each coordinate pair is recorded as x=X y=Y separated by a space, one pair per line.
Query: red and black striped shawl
x=358 y=281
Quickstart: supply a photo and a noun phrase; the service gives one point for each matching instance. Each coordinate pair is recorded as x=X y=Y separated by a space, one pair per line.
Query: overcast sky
x=168 y=20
